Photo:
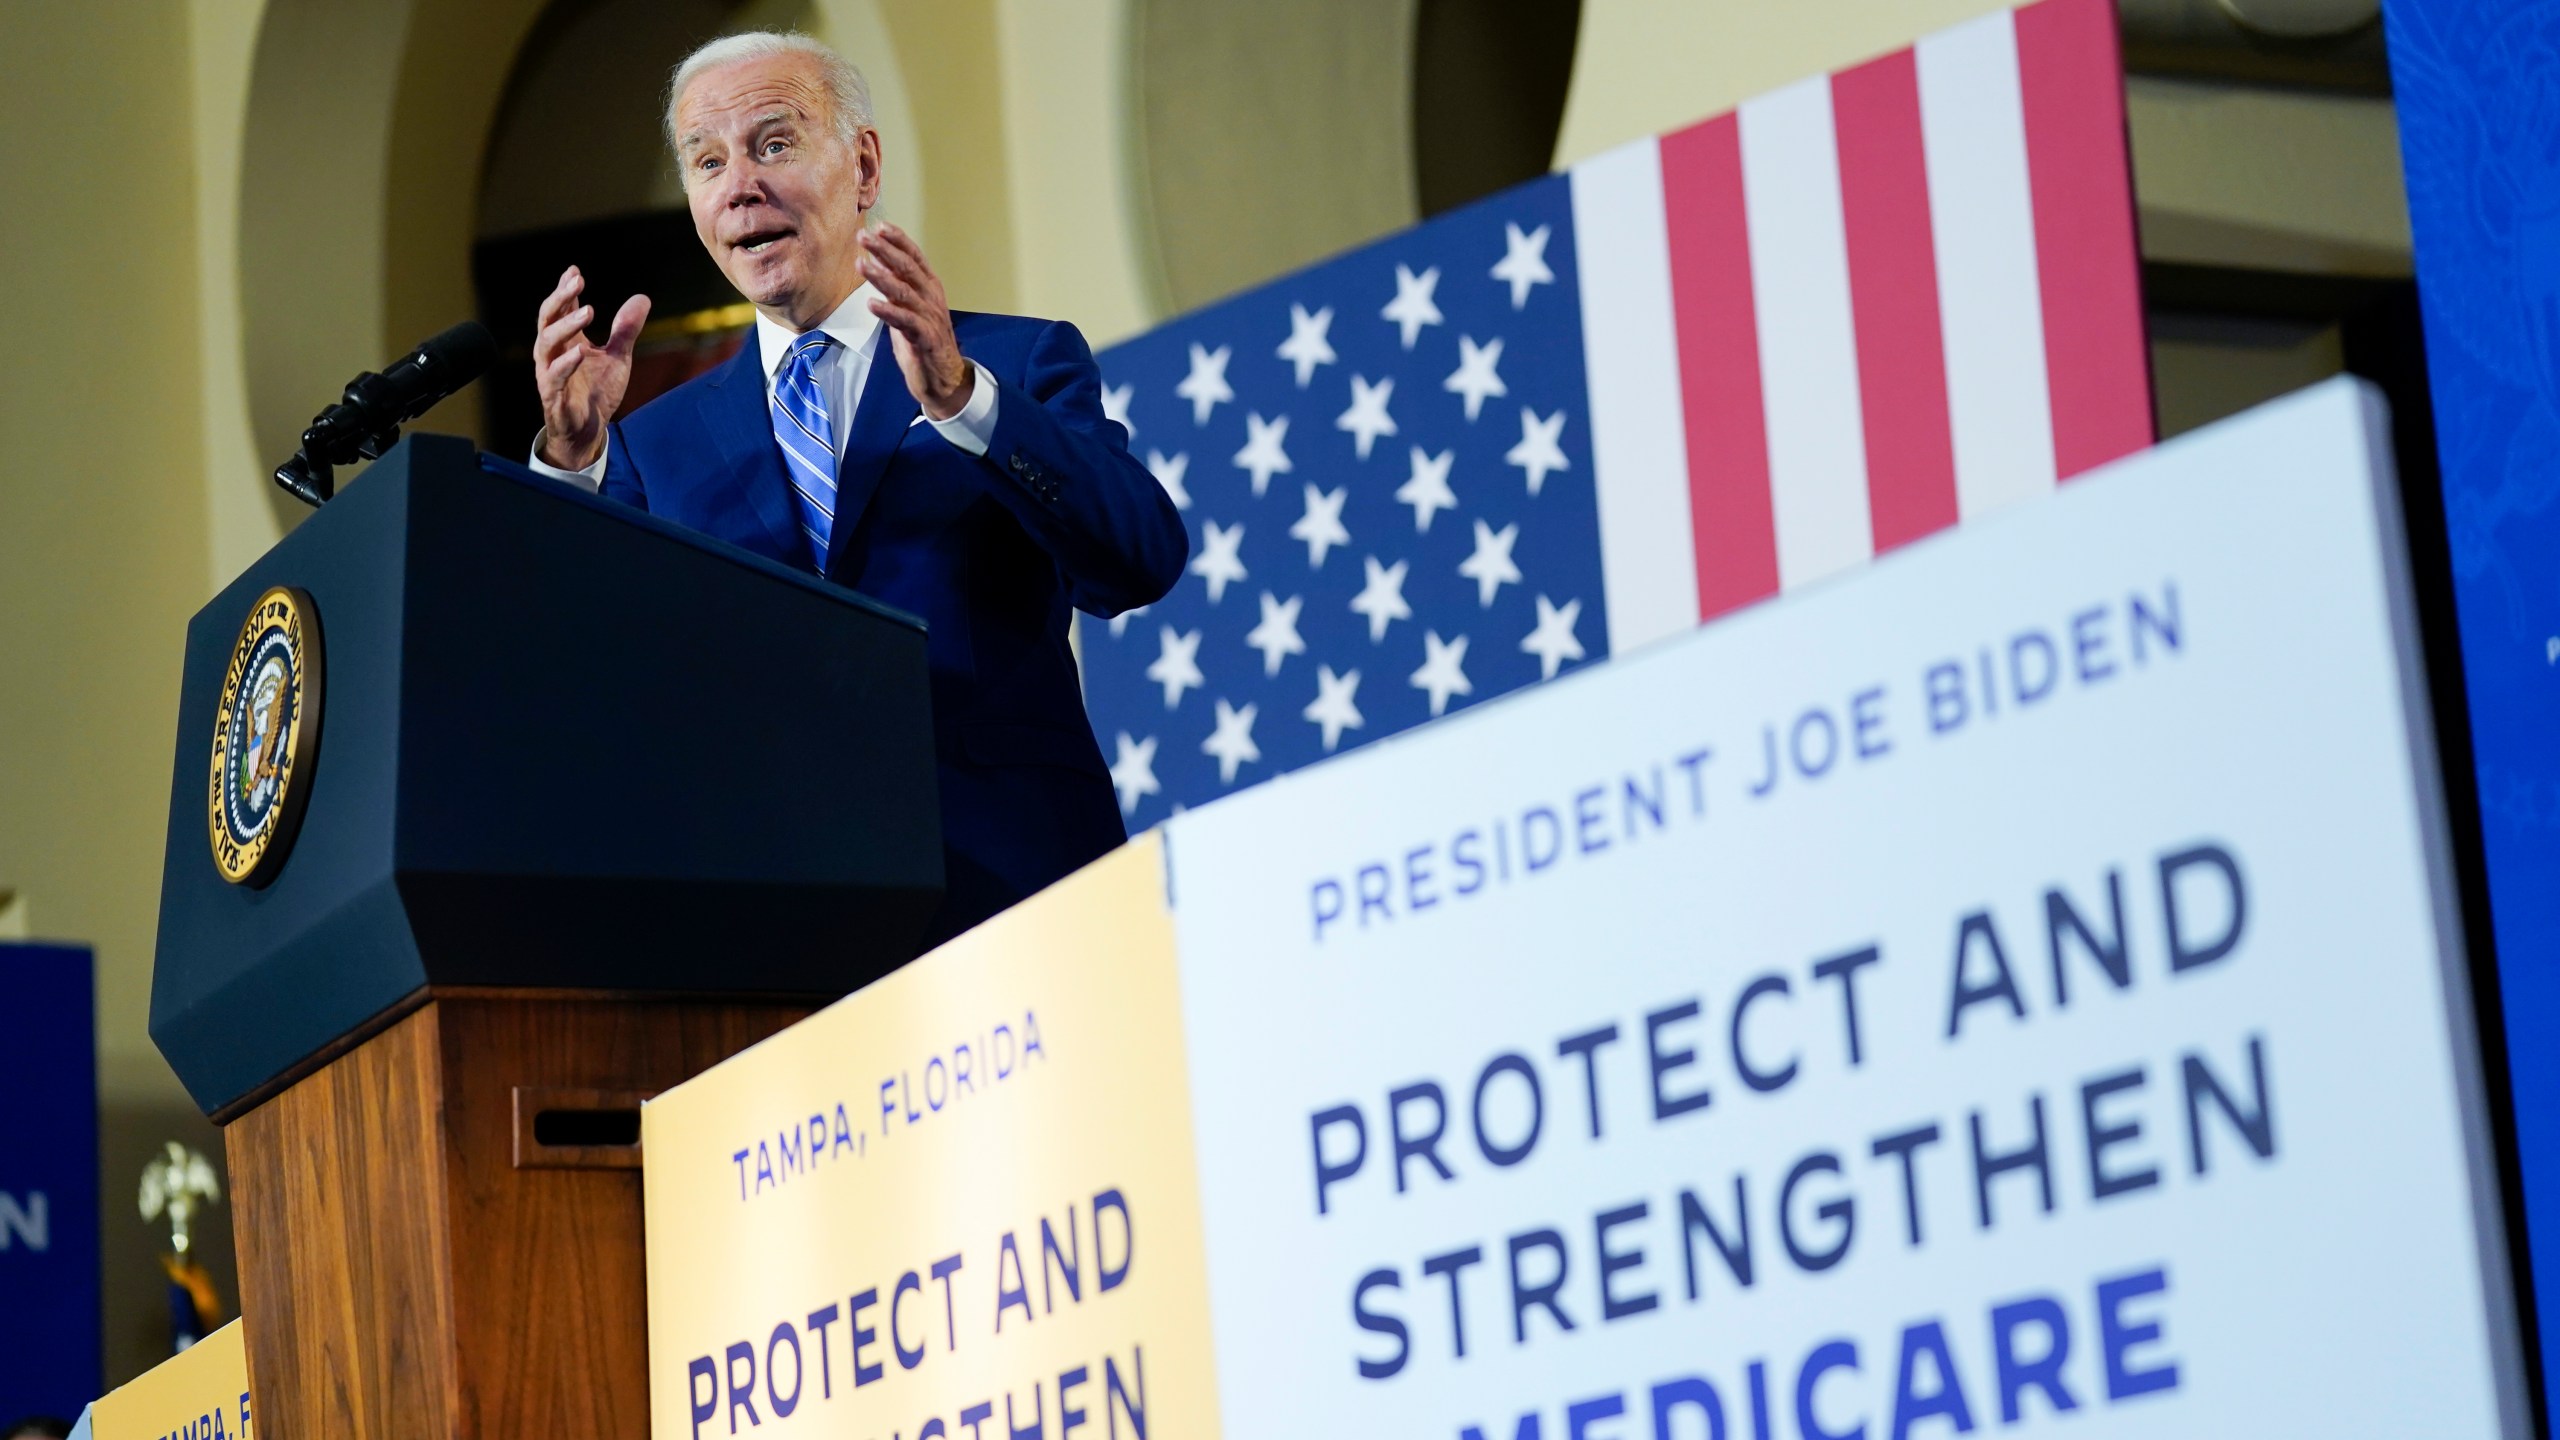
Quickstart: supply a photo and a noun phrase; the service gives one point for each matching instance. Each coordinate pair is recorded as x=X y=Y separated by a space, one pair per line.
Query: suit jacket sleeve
x=1064 y=469
x=621 y=475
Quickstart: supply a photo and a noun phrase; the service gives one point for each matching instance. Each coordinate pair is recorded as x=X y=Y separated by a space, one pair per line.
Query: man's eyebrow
x=699 y=136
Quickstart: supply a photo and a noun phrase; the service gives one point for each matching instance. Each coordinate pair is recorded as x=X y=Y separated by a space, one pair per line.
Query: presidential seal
x=266 y=734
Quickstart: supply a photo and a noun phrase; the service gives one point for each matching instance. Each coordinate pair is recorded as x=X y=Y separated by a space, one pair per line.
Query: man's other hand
x=919 y=321
x=581 y=382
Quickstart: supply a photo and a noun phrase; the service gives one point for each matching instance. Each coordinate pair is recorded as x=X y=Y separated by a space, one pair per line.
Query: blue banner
x=2478 y=91
x=49 y=1274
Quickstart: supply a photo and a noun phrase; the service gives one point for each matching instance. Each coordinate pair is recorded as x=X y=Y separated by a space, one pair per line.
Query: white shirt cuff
x=590 y=479
x=974 y=428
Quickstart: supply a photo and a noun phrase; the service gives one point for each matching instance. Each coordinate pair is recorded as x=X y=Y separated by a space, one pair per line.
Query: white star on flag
x=1413 y=306
x=1333 y=708
x=1524 y=261
x=1277 y=636
x=1475 y=378
x=1217 y=563
x=1232 y=741
x=1307 y=346
x=1120 y=622
x=1441 y=671
x=1115 y=404
x=1321 y=526
x=1169 y=474
x=1537 y=451
x=1428 y=490
x=1206 y=385
x=1177 y=666
x=1490 y=567
x=1367 y=419
x=1382 y=599
x=1553 y=641
x=1134 y=773
x=1262 y=453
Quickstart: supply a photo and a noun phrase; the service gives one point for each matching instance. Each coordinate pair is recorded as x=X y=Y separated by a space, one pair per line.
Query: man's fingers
x=565 y=364
x=561 y=331
x=627 y=323
x=905 y=244
x=912 y=323
x=563 y=296
x=900 y=289
x=897 y=255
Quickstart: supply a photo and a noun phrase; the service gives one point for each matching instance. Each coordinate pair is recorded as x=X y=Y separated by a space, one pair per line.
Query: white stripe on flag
x=1631 y=356
x=1808 y=340
x=1982 y=219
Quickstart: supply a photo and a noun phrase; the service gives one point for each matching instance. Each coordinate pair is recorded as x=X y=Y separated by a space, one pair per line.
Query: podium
x=536 y=805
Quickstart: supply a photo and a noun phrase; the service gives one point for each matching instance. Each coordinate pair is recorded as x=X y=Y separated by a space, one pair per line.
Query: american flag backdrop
x=1600 y=407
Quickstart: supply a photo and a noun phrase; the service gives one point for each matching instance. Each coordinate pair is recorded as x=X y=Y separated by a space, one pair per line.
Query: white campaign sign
x=2008 y=989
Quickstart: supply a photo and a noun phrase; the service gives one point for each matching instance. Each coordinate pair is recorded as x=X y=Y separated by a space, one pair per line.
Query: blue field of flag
x=1384 y=464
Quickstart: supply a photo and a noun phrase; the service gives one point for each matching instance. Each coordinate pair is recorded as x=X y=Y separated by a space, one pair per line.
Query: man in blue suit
x=955 y=465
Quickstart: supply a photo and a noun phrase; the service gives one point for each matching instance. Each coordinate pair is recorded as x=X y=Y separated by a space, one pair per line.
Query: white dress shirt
x=840 y=374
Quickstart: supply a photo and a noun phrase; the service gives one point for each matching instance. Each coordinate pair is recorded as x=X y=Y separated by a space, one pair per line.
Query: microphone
x=366 y=421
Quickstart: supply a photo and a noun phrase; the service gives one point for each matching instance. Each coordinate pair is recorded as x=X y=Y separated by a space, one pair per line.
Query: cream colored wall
x=103 y=538
x=1272 y=135
x=241 y=519
x=1034 y=202
x=1083 y=250
x=1644 y=66
x=2273 y=179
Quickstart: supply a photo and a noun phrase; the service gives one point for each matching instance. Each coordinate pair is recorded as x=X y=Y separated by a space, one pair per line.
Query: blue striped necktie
x=807 y=435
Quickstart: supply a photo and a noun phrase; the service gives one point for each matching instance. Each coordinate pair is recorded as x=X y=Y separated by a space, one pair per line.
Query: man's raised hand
x=581 y=383
x=919 y=321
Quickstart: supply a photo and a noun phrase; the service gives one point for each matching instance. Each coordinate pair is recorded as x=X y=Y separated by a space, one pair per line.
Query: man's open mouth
x=761 y=241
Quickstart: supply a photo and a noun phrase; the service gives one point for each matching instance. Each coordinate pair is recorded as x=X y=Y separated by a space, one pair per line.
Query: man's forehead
x=751 y=89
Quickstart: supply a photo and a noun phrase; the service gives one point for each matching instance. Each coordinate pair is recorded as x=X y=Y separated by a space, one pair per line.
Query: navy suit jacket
x=994 y=552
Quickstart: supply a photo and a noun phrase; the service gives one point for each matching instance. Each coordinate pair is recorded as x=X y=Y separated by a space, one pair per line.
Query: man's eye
x=774 y=147
x=707 y=162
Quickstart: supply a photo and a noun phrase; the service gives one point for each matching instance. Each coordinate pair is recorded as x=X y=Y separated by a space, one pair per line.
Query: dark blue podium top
x=561 y=744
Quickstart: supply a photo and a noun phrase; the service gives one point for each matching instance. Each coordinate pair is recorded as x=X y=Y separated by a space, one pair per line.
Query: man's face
x=777 y=195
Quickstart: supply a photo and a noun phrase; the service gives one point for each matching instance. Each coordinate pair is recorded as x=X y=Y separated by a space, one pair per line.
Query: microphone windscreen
x=462 y=353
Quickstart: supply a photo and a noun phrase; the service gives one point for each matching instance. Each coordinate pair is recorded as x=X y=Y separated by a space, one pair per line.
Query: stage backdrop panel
x=49 y=1323
x=2018 y=982
x=962 y=1196
x=1597 y=408
x=2472 y=86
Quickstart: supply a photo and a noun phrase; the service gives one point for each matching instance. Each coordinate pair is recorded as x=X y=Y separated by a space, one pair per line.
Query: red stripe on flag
x=1719 y=335
x=1893 y=295
x=2098 y=367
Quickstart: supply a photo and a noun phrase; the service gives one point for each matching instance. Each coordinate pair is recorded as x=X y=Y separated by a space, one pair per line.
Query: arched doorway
x=576 y=172
x=368 y=143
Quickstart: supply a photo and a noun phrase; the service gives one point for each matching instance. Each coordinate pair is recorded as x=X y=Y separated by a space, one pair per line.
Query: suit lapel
x=880 y=421
x=734 y=409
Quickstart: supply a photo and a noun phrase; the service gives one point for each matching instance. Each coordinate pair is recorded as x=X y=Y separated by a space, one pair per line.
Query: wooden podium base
x=439 y=1228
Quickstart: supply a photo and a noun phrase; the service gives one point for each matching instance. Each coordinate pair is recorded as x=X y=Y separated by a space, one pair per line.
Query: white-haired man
x=972 y=480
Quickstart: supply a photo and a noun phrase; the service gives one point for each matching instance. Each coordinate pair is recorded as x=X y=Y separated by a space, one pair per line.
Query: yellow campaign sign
x=962 y=1198
x=200 y=1393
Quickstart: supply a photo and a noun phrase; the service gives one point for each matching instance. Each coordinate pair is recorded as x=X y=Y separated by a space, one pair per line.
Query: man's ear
x=867 y=165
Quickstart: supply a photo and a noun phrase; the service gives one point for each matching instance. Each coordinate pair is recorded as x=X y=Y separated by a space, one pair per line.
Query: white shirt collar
x=852 y=326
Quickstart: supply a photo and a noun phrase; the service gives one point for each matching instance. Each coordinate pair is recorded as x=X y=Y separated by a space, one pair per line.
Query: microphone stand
x=366 y=421
x=343 y=434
